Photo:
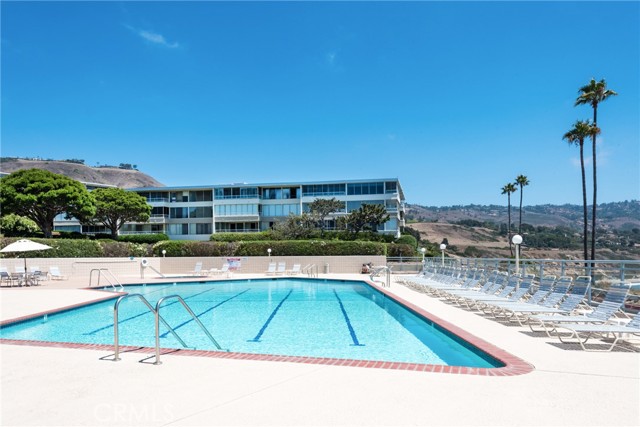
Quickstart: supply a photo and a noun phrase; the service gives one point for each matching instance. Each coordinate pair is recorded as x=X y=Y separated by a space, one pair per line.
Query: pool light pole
x=164 y=253
x=423 y=250
x=269 y=252
x=442 y=248
x=517 y=241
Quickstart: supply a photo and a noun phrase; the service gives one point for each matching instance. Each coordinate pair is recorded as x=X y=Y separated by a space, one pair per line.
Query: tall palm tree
x=580 y=131
x=522 y=181
x=593 y=94
x=508 y=189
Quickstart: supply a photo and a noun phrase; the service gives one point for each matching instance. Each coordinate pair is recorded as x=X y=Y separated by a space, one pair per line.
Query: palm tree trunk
x=520 y=219
x=509 y=223
x=584 y=204
x=595 y=189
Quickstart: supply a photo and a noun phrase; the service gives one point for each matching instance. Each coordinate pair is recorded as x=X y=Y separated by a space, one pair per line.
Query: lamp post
x=442 y=248
x=269 y=252
x=517 y=240
x=164 y=253
x=423 y=250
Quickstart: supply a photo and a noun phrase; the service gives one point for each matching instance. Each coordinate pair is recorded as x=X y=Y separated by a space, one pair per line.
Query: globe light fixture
x=269 y=252
x=164 y=253
x=442 y=248
x=517 y=240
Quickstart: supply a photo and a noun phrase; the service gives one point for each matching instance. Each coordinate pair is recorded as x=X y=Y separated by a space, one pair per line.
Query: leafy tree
x=593 y=94
x=577 y=135
x=13 y=225
x=321 y=208
x=522 y=181
x=41 y=195
x=367 y=217
x=508 y=189
x=294 y=227
x=115 y=207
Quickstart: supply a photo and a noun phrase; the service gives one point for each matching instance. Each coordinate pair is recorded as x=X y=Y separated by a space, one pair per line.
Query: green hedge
x=241 y=237
x=143 y=238
x=401 y=250
x=407 y=239
x=69 y=248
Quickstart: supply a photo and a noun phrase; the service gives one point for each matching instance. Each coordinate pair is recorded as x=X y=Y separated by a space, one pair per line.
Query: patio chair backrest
x=581 y=285
x=617 y=293
x=635 y=321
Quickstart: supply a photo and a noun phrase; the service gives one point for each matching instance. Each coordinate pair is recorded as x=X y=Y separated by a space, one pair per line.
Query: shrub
x=401 y=250
x=16 y=225
x=407 y=239
x=310 y=248
x=143 y=238
x=241 y=237
x=179 y=248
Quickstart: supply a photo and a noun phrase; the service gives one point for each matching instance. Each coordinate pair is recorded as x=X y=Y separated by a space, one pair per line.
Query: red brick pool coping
x=513 y=365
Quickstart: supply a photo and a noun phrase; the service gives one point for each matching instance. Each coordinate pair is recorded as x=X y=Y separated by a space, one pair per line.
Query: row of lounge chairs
x=281 y=269
x=35 y=276
x=558 y=306
x=225 y=270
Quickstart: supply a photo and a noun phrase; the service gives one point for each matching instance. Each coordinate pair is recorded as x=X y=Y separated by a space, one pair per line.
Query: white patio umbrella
x=25 y=245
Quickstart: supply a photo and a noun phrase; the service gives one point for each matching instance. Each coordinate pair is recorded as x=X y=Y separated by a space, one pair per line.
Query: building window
x=355 y=205
x=323 y=190
x=236 y=193
x=236 y=210
x=391 y=187
x=200 y=196
x=179 y=213
x=280 y=210
x=359 y=188
x=201 y=212
x=200 y=228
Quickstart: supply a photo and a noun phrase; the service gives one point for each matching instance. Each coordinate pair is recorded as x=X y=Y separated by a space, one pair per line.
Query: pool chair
x=223 y=270
x=542 y=290
x=294 y=271
x=604 y=311
x=581 y=333
x=197 y=271
x=54 y=274
x=282 y=267
x=271 y=270
x=5 y=277
x=555 y=303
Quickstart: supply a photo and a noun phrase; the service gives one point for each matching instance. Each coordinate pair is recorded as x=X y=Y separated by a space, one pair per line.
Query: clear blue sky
x=455 y=99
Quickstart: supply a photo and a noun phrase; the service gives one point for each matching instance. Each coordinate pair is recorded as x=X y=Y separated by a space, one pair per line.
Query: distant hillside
x=123 y=178
x=618 y=215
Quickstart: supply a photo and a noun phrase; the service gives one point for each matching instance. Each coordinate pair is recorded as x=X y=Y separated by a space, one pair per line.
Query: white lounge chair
x=223 y=270
x=271 y=270
x=54 y=274
x=5 y=276
x=282 y=267
x=581 y=333
x=294 y=271
x=198 y=270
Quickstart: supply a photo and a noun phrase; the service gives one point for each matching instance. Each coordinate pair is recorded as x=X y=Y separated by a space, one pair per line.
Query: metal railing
x=157 y=319
x=311 y=270
x=116 y=335
x=106 y=273
x=193 y=315
x=376 y=271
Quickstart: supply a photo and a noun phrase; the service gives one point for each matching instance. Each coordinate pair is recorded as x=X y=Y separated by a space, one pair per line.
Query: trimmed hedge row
x=64 y=248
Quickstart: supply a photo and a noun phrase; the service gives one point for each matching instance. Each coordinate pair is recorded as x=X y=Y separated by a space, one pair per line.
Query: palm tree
x=593 y=94
x=522 y=181
x=580 y=131
x=508 y=189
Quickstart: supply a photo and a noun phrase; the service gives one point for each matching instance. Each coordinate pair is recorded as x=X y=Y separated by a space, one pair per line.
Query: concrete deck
x=60 y=386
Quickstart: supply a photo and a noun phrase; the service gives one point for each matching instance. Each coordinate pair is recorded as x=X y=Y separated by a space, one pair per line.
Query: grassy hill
x=120 y=177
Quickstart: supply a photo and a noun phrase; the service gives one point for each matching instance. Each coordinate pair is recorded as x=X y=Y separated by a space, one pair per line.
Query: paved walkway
x=59 y=386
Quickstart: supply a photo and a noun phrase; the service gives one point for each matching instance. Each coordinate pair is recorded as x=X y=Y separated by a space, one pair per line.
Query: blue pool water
x=294 y=317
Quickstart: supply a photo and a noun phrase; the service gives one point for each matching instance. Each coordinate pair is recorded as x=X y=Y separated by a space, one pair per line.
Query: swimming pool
x=293 y=317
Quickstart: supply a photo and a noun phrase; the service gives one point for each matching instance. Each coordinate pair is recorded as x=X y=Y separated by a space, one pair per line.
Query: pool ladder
x=106 y=273
x=310 y=270
x=379 y=270
x=158 y=319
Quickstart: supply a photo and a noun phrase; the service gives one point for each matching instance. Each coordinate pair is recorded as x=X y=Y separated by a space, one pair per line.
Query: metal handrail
x=102 y=271
x=386 y=269
x=311 y=270
x=193 y=315
x=116 y=342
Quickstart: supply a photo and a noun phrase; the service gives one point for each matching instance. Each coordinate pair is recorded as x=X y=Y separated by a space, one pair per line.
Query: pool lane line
x=142 y=314
x=352 y=332
x=205 y=312
x=273 y=314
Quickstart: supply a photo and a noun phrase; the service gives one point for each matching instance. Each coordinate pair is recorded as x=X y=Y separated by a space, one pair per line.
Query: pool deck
x=47 y=386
